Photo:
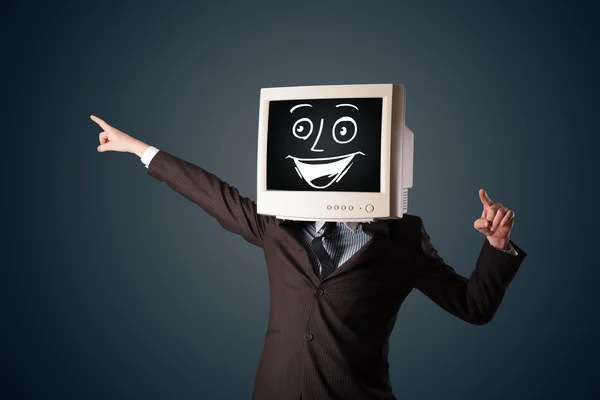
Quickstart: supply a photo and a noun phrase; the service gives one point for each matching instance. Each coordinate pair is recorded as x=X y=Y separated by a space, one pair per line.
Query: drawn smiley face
x=313 y=169
x=324 y=138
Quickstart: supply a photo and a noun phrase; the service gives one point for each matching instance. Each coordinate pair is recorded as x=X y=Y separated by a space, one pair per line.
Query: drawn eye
x=302 y=128
x=344 y=130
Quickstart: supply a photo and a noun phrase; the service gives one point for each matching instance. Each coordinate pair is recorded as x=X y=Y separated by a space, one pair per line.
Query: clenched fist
x=496 y=222
x=112 y=139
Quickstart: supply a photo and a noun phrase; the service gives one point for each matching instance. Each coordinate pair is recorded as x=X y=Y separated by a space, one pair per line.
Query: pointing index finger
x=100 y=122
x=485 y=199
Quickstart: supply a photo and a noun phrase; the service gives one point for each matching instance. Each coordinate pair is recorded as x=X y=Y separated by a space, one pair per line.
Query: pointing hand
x=495 y=222
x=112 y=139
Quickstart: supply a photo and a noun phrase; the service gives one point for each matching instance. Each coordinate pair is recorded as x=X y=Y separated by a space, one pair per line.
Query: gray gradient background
x=109 y=288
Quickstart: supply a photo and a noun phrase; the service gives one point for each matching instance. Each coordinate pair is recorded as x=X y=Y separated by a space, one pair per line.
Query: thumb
x=483 y=226
x=108 y=146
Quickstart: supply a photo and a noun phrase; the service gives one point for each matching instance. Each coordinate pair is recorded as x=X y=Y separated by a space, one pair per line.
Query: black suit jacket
x=328 y=339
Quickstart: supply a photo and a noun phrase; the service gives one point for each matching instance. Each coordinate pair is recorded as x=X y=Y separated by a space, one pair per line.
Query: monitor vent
x=404 y=201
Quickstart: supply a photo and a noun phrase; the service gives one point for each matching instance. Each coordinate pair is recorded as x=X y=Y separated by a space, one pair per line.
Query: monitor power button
x=369 y=208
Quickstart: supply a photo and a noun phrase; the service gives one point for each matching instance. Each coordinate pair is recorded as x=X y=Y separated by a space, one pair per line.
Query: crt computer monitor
x=335 y=153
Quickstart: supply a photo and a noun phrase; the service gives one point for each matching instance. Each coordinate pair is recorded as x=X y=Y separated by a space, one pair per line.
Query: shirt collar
x=380 y=226
x=351 y=225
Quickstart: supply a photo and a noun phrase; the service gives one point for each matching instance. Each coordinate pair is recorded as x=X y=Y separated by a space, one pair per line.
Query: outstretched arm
x=234 y=212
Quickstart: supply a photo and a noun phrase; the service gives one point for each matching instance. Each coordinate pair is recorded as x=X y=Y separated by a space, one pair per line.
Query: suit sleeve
x=223 y=202
x=476 y=299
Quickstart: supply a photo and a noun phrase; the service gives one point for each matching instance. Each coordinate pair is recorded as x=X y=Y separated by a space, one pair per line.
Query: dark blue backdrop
x=103 y=294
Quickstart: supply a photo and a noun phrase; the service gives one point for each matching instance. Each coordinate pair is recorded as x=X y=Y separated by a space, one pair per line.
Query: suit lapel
x=290 y=233
x=378 y=232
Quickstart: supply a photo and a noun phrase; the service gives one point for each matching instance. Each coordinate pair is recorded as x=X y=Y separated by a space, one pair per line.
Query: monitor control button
x=343 y=207
x=329 y=207
x=336 y=207
x=350 y=208
x=369 y=208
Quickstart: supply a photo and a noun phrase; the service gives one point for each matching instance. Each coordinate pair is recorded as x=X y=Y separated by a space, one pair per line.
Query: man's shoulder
x=406 y=231
x=407 y=221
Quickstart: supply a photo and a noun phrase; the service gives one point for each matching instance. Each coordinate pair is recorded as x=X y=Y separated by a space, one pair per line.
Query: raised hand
x=112 y=139
x=496 y=221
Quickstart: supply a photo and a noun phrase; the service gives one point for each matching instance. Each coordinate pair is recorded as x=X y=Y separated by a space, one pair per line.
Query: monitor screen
x=324 y=145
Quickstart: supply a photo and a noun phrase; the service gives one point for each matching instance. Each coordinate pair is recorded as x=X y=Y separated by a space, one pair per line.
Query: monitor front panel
x=324 y=145
x=307 y=170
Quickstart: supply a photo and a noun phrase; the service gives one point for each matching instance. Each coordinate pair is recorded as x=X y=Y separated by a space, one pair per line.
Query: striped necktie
x=327 y=266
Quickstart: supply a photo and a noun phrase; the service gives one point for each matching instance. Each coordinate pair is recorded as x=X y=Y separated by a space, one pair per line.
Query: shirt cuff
x=148 y=155
x=510 y=251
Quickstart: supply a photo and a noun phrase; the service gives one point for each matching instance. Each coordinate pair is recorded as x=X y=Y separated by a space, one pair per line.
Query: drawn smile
x=320 y=173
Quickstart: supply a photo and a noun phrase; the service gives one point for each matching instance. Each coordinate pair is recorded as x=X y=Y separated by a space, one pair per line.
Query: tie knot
x=328 y=228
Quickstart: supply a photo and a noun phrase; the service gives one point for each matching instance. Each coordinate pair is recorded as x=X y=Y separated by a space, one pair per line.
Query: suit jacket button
x=308 y=337
x=320 y=292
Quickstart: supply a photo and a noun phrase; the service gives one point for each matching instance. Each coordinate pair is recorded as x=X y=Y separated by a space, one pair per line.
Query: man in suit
x=335 y=289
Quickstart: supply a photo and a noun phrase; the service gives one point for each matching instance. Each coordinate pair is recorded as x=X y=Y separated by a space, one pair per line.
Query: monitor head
x=332 y=152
